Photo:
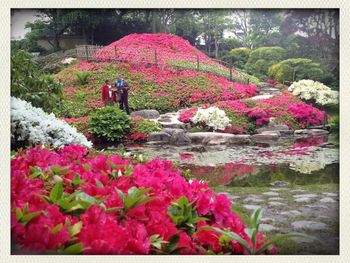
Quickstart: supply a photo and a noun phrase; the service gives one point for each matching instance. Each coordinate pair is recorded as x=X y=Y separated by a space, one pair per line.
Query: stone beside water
x=271 y=193
x=251 y=207
x=327 y=200
x=308 y=225
x=266 y=227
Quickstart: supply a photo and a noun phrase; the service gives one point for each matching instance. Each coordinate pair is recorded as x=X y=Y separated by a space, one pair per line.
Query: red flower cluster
x=70 y=197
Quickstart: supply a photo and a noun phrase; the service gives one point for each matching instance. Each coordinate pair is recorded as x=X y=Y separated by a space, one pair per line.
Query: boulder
x=170 y=130
x=179 y=137
x=266 y=136
x=216 y=138
x=317 y=132
x=146 y=114
x=173 y=125
x=278 y=127
x=159 y=136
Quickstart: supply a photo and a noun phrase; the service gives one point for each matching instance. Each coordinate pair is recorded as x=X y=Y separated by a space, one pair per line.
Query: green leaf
x=56 y=229
x=74 y=249
x=56 y=192
x=26 y=218
x=99 y=184
x=19 y=214
x=256 y=217
x=232 y=235
x=121 y=194
x=86 y=198
x=280 y=238
x=75 y=229
x=173 y=242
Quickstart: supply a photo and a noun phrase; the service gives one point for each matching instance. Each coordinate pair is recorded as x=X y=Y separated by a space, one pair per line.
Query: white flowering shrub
x=307 y=89
x=31 y=125
x=211 y=117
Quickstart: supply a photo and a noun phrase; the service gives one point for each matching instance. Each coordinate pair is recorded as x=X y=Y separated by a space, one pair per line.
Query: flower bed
x=244 y=115
x=31 y=125
x=75 y=201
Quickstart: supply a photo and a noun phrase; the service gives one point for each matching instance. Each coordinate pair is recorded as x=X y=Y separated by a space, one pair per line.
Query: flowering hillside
x=151 y=87
x=75 y=201
x=165 y=50
x=141 y=47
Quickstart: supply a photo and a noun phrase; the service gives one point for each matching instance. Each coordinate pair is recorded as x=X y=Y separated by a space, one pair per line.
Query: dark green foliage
x=28 y=83
x=240 y=56
x=262 y=58
x=110 y=123
x=295 y=69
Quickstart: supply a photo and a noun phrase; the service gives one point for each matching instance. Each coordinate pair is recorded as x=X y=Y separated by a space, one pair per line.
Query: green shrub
x=82 y=77
x=110 y=123
x=295 y=69
x=145 y=126
x=29 y=84
x=262 y=58
x=240 y=56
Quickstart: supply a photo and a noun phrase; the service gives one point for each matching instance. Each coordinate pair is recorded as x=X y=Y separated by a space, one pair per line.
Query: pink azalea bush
x=76 y=201
x=286 y=108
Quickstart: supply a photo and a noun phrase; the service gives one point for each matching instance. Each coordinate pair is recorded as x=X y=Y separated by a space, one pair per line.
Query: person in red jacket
x=106 y=96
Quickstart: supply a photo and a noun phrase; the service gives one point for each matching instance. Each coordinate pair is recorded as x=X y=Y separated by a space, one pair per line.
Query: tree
x=213 y=25
x=262 y=58
x=295 y=69
x=28 y=83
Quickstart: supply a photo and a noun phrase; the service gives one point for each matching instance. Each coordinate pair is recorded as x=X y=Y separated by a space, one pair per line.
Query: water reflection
x=240 y=174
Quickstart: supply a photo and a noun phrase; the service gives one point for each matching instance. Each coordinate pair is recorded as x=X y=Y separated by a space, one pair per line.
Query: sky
x=18 y=21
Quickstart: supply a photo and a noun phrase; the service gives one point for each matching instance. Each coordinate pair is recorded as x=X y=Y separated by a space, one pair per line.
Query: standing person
x=106 y=96
x=123 y=88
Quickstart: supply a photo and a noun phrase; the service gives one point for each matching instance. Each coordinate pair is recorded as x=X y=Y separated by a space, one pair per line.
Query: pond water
x=296 y=182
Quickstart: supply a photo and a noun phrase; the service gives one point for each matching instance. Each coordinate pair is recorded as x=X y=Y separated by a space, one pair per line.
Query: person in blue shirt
x=123 y=88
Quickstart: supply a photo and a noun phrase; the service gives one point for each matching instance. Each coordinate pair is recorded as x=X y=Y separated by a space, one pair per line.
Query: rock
x=308 y=225
x=266 y=136
x=316 y=132
x=291 y=213
x=275 y=199
x=170 y=130
x=273 y=203
x=277 y=127
x=261 y=97
x=173 y=125
x=305 y=196
x=279 y=86
x=159 y=136
x=254 y=199
x=297 y=191
x=327 y=200
x=146 y=114
x=216 y=138
x=330 y=194
x=266 y=227
x=271 y=193
x=180 y=137
x=251 y=207
x=302 y=200
x=279 y=183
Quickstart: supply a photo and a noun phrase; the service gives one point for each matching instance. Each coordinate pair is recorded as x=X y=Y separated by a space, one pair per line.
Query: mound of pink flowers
x=139 y=48
x=76 y=201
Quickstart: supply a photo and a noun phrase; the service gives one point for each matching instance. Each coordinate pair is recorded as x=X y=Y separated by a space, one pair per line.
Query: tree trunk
x=154 y=22
x=84 y=36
